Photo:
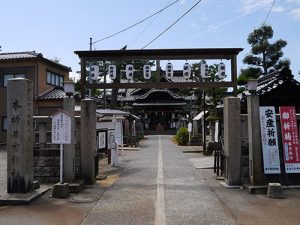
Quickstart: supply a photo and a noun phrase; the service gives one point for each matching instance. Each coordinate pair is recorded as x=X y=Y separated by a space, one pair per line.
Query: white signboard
x=190 y=127
x=111 y=139
x=269 y=140
x=217 y=131
x=118 y=132
x=61 y=128
x=101 y=140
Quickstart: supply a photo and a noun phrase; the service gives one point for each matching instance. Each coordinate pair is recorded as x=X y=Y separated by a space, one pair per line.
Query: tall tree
x=264 y=56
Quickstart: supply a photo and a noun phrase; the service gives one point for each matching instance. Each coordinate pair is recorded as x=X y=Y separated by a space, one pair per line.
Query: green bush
x=182 y=136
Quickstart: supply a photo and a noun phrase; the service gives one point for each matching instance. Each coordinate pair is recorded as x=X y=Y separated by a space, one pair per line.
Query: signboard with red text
x=290 y=139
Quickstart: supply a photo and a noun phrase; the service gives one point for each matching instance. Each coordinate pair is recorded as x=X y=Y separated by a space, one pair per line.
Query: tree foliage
x=215 y=95
x=182 y=136
x=265 y=56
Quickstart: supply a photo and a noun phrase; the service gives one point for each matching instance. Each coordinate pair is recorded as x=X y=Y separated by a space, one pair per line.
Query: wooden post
x=83 y=77
x=158 y=70
x=234 y=74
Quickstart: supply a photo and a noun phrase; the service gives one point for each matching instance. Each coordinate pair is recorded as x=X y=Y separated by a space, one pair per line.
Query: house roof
x=54 y=93
x=28 y=55
x=154 y=90
x=19 y=55
x=57 y=93
x=271 y=81
x=133 y=96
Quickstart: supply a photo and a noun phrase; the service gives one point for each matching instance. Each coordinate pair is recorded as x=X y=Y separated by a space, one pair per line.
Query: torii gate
x=232 y=139
x=157 y=55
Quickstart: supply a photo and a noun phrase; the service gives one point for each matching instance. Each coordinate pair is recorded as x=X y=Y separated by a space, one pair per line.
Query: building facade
x=160 y=110
x=44 y=73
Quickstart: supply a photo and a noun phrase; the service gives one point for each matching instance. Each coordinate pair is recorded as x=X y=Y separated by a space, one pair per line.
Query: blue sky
x=56 y=28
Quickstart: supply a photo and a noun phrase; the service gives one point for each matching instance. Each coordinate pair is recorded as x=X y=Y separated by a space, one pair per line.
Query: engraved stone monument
x=19 y=136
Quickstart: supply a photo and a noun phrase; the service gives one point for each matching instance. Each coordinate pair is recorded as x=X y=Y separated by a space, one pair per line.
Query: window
x=4 y=123
x=6 y=77
x=55 y=79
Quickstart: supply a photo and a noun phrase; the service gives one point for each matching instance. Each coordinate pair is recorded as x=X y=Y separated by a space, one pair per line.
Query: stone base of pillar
x=274 y=190
x=61 y=190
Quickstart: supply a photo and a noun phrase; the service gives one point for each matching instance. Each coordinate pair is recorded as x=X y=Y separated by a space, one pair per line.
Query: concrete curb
x=22 y=199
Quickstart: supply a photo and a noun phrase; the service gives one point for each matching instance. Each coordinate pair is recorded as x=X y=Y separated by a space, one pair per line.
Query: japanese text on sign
x=290 y=140
x=61 y=128
x=269 y=140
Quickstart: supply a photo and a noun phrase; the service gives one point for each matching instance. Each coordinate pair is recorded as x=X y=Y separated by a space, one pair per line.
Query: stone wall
x=46 y=155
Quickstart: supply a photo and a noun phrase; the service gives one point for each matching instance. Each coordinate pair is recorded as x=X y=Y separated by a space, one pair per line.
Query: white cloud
x=182 y=2
x=279 y=9
x=293 y=1
x=295 y=14
x=194 y=25
x=215 y=27
x=250 y=6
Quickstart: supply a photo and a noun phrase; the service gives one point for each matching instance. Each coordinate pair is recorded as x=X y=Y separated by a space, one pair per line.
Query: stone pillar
x=195 y=122
x=88 y=140
x=42 y=134
x=256 y=170
x=69 y=149
x=19 y=135
x=232 y=140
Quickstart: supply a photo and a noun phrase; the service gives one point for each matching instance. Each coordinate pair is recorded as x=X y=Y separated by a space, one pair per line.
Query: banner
x=269 y=139
x=290 y=139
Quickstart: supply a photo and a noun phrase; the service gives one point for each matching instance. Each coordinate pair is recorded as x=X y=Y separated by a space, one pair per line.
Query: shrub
x=182 y=136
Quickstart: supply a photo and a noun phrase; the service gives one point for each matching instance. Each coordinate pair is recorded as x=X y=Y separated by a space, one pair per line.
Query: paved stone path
x=160 y=187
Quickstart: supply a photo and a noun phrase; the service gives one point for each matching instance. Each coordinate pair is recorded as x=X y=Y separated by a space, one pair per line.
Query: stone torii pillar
x=88 y=140
x=69 y=152
x=19 y=135
x=232 y=140
x=256 y=169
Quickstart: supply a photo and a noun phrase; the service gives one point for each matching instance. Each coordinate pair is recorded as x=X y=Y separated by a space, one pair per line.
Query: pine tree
x=264 y=56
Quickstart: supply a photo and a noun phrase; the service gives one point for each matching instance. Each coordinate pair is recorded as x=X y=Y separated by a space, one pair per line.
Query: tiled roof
x=20 y=55
x=130 y=97
x=57 y=93
x=153 y=90
x=54 y=93
x=271 y=81
x=9 y=56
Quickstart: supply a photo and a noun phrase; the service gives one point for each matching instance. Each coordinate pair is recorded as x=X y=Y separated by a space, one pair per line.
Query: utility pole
x=90 y=80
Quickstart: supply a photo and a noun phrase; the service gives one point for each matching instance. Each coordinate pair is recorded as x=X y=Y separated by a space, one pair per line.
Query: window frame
x=55 y=79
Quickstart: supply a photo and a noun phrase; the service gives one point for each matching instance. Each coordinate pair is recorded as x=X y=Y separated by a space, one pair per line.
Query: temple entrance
x=149 y=93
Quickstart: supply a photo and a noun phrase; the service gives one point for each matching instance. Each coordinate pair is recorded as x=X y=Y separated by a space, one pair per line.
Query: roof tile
x=19 y=55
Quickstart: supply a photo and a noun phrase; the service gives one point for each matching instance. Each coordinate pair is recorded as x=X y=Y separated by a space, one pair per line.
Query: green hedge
x=182 y=136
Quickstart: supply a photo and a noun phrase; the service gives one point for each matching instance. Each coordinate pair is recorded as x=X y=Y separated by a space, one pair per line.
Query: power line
x=114 y=34
x=172 y=24
x=269 y=11
x=140 y=34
